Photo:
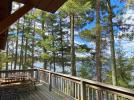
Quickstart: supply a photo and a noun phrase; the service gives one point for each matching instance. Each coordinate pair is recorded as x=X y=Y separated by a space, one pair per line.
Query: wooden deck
x=42 y=93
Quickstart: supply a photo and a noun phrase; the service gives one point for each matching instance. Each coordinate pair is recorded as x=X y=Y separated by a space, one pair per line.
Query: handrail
x=93 y=84
x=31 y=72
x=9 y=71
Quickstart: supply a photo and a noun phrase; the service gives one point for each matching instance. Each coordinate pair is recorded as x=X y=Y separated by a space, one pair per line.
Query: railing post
x=37 y=75
x=32 y=72
x=83 y=90
x=0 y=74
x=50 y=81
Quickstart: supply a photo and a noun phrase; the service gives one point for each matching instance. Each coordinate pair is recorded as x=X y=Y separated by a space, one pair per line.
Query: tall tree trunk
x=22 y=44
x=16 y=49
x=12 y=61
x=12 y=56
x=33 y=44
x=73 y=66
x=54 y=62
x=26 y=46
x=7 y=52
x=98 y=47
x=62 y=51
x=112 y=46
x=44 y=37
x=98 y=43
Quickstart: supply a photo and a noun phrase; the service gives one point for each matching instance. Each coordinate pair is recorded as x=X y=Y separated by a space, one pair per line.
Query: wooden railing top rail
x=13 y=71
x=33 y=73
x=99 y=85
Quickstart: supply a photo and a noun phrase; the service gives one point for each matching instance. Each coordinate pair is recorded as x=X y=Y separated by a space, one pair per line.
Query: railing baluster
x=92 y=94
x=83 y=90
x=88 y=95
x=50 y=82
x=78 y=92
x=61 y=83
x=37 y=75
x=75 y=96
x=67 y=87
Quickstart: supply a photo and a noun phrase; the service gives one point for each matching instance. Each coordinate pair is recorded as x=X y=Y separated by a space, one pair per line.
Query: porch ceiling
x=46 y=5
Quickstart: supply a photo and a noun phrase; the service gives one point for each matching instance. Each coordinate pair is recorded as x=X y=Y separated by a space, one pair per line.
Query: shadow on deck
x=42 y=93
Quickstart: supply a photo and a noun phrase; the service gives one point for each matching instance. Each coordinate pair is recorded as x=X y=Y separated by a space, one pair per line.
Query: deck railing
x=33 y=73
x=83 y=89
x=74 y=87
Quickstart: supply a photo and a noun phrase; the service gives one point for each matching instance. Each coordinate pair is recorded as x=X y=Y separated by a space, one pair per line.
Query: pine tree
x=73 y=8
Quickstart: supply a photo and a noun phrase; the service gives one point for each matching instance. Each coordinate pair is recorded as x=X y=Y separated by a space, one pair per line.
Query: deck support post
x=83 y=90
x=50 y=81
x=37 y=75
x=32 y=73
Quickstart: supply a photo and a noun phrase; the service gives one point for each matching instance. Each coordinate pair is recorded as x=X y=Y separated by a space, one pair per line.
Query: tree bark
x=112 y=44
x=44 y=37
x=98 y=48
x=16 y=49
x=98 y=43
x=33 y=44
x=54 y=60
x=73 y=66
x=22 y=44
x=7 y=52
x=62 y=51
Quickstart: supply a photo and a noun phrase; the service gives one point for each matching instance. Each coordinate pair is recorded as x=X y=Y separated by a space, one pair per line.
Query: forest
x=92 y=39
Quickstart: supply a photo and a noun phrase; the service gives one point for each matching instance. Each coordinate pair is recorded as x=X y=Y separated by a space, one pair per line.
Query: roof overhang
x=7 y=19
x=46 y=5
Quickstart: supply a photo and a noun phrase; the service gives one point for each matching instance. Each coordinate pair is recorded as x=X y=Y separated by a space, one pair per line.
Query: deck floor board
x=42 y=93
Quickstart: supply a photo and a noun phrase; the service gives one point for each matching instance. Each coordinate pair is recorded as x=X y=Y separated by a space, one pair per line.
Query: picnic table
x=14 y=78
x=14 y=85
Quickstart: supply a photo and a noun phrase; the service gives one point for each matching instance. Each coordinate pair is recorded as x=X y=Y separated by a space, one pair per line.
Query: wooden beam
x=54 y=5
x=40 y=4
x=22 y=1
x=46 y=5
x=8 y=21
x=5 y=10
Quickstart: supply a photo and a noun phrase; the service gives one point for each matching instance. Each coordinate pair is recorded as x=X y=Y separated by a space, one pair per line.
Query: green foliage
x=76 y=6
x=124 y=70
x=45 y=56
x=48 y=44
x=86 y=70
x=88 y=35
